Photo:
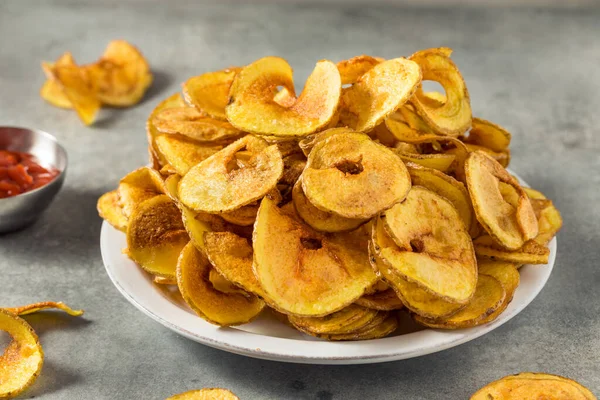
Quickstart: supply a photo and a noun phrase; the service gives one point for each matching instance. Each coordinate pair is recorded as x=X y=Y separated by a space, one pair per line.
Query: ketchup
x=20 y=173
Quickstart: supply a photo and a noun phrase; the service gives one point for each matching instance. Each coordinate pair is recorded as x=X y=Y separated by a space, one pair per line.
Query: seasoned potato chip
x=304 y=272
x=348 y=319
x=382 y=325
x=110 y=209
x=352 y=69
x=138 y=186
x=74 y=84
x=434 y=99
x=221 y=284
x=156 y=235
x=52 y=91
x=36 y=307
x=489 y=296
x=501 y=205
x=209 y=92
x=190 y=122
x=380 y=91
x=387 y=300
x=214 y=186
x=530 y=253
x=21 y=362
x=401 y=130
x=252 y=107
x=414 y=120
x=171 y=187
x=549 y=219
x=206 y=394
x=487 y=134
x=216 y=307
x=321 y=220
x=173 y=101
x=307 y=143
x=440 y=162
x=434 y=249
x=350 y=175
x=182 y=154
x=293 y=166
x=507 y=274
x=531 y=385
x=454 y=116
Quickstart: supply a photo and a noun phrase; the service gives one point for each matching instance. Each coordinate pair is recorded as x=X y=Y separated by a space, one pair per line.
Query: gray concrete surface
x=534 y=71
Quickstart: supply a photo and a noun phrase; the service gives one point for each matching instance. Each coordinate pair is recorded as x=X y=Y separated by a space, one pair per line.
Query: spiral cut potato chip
x=213 y=305
x=205 y=394
x=531 y=385
x=488 y=135
x=252 y=107
x=352 y=69
x=209 y=92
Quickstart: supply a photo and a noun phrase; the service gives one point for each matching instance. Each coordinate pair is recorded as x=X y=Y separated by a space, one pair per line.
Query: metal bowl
x=18 y=211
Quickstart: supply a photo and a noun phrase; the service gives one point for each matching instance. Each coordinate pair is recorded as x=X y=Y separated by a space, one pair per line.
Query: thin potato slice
x=380 y=91
x=252 y=107
x=401 y=129
x=110 y=209
x=183 y=154
x=161 y=280
x=46 y=305
x=307 y=143
x=221 y=284
x=387 y=300
x=434 y=248
x=171 y=187
x=209 y=92
x=549 y=220
x=352 y=69
x=74 y=84
x=304 y=272
x=156 y=235
x=440 y=162
x=190 y=122
x=382 y=325
x=321 y=220
x=173 y=101
x=414 y=120
x=138 y=186
x=231 y=256
x=21 y=362
x=454 y=116
x=531 y=385
x=205 y=394
x=530 y=253
x=489 y=296
x=51 y=90
x=508 y=275
x=216 y=307
x=293 y=166
x=348 y=319
x=350 y=175
x=492 y=190
x=487 y=134
x=214 y=186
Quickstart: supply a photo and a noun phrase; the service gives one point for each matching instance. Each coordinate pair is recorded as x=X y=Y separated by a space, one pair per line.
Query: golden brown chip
x=110 y=209
x=161 y=280
x=209 y=92
x=182 y=154
x=252 y=107
x=487 y=134
x=433 y=247
x=36 y=307
x=138 y=186
x=293 y=165
x=51 y=90
x=304 y=272
x=501 y=205
x=348 y=319
x=454 y=116
x=382 y=325
x=190 y=122
x=414 y=120
x=531 y=252
x=507 y=274
x=21 y=362
x=549 y=219
x=173 y=101
x=205 y=394
x=503 y=157
x=216 y=307
x=74 y=84
x=156 y=235
x=440 y=162
x=307 y=143
x=171 y=187
x=380 y=91
x=387 y=300
x=352 y=69
x=531 y=385
x=489 y=296
x=350 y=175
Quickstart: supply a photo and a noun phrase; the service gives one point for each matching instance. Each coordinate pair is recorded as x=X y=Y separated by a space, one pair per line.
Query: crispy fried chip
x=110 y=209
x=252 y=107
x=304 y=272
x=489 y=135
x=440 y=162
x=161 y=280
x=156 y=235
x=507 y=274
x=205 y=394
x=501 y=205
x=454 y=116
x=489 y=297
x=352 y=69
x=387 y=300
x=209 y=92
x=171 y=187
x=307 y=143
x=173 y=101
x=36 y=307
x=52 y=91
x=74 y=84
x=531 y=385
x=190 y=122
x=350 y=175
x=183 y=154
x=216 y=307
x=348 y=319
x=380 y=91
x=531 y=252
x=214 y=186
x=433 y=247
x=22 y=360
x=138 y=186
x=549 y=219
x=382 y=325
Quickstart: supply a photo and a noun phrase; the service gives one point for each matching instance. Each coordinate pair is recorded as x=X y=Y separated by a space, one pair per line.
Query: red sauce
x=20 y=173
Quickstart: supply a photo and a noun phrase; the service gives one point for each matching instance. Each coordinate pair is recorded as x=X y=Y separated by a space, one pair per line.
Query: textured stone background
x=534 y=71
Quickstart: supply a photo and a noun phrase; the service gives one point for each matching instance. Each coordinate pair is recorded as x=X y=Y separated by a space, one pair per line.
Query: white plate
x=270 y=339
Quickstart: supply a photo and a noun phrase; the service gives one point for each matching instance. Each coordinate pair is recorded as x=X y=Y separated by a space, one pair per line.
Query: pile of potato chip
x=118 y=79
x=361 y=196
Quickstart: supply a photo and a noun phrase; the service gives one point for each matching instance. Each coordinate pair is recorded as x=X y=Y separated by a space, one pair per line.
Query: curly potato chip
x=531 y=385
x=252 y=107
x=304 y=272
x=110 y=209
x=190 y=122
x=173 y=101
x=489 y=297
x=22 y=360
x=434 y=249
x=216 y=307
x=214 y=186
x=382 y=325
x=321 y=220
x=205 y=394
x=511 y=225
x=209 y=92
x=36 y=307
x=489 y=135
x=507 y=274
x=387 y=300
x=182 y=154
x=156 y=235
x=139 y=186
x=352 y=176
x=531 y=252
x=308 y=142
x=352 y=69
x=348 y=319
x=454 y=116
x=414 y=120
x=381 y=91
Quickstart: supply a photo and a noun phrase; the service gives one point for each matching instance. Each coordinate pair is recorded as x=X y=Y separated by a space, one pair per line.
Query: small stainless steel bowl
x=18 y=211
